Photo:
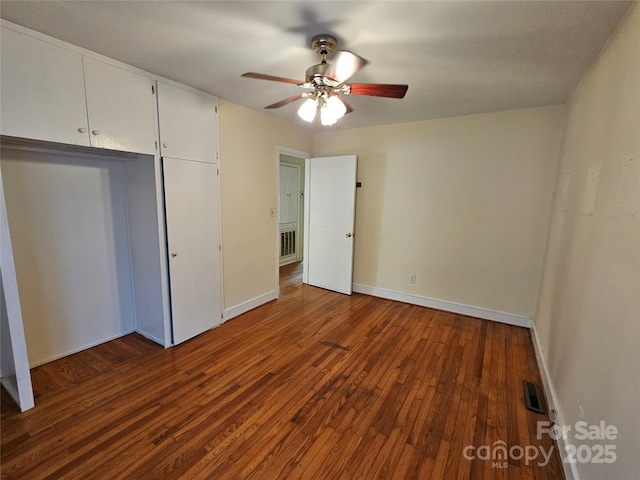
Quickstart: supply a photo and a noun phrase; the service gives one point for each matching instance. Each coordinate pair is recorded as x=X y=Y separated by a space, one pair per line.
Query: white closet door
x=188 y=126
x=193 y=237
x=41 y=91
x=289 y=193
x=121 y=108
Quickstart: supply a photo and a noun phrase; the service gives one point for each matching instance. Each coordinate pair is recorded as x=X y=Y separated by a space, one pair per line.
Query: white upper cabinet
x=188 y=124
x=41 y=91
x=120 y=104
x=55 y=94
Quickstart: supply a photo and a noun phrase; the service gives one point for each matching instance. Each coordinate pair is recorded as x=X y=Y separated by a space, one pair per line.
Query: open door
x=329 y=217
x=191 y=207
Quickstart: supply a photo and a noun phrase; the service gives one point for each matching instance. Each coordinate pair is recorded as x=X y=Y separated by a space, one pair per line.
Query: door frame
x=281 y=150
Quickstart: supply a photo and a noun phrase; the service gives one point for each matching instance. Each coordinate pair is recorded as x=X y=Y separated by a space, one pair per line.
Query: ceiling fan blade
x=286 y=101
x=378 y=90
x=344 y=66
x=262 y=76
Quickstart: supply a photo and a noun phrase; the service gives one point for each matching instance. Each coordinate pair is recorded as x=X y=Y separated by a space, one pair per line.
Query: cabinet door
x=41 y=91
x=193 y=238
x=121 y=108
x=188 y=124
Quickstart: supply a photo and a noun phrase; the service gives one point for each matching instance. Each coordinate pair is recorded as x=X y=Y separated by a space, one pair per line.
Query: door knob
x=82 y=130
x=349 y=235
x=174 y=254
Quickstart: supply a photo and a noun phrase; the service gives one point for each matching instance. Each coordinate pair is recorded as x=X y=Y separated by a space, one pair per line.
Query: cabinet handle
x=349 y=235
x=82 y=130
x=95 y=132
x=164 y=145
x=174 y=254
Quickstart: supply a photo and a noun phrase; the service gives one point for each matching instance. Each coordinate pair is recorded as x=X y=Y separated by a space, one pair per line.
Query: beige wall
x=588 y=319
x=248 y=165
x=462 y=203
x=465 y=204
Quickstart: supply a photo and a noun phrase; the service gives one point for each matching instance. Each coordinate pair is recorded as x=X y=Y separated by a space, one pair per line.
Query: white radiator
x=287 y=243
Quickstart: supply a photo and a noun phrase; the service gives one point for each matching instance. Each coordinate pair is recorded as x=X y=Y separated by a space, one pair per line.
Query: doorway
x=291 y=218
x=290 y=168
x=331 y=181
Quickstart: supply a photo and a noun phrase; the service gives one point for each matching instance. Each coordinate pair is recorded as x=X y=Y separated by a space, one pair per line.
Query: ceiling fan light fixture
x=331 y=110
x=325 y=81
x=307 y=110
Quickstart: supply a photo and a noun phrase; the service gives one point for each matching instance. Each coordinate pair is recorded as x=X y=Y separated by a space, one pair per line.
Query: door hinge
x=217 y=155
x=153 y=90
x=219 y=247
x=218 y=171
x=216 y=108
x=156 y=142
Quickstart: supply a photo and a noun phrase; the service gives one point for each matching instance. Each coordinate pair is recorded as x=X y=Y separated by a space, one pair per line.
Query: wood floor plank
x=313 y=385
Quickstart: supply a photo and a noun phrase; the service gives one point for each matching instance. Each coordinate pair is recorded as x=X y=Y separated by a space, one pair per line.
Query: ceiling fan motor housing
x=315 y=74
x=323 y=44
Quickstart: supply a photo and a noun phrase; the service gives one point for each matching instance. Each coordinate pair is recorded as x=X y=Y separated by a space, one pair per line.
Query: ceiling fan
x=326 y=82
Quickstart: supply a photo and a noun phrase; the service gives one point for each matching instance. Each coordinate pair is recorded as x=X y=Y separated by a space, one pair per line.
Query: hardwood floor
x=313 y=385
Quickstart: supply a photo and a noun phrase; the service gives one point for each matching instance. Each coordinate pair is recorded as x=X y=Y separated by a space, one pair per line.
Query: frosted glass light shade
x=332 y=110
x=307 y=110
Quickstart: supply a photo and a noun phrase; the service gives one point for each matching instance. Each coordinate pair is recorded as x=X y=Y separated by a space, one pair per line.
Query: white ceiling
x=458 y=57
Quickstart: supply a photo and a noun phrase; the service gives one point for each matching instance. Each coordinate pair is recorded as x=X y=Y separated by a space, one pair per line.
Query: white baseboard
x=244 y=307
x=502 y=317
x=571 y=471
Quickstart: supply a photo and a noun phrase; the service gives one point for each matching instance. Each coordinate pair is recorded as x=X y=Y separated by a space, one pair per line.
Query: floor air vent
x=533 y=397
x=287 y=243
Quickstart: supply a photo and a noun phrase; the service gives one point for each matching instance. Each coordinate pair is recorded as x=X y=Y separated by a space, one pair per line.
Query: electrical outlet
x=412 y=279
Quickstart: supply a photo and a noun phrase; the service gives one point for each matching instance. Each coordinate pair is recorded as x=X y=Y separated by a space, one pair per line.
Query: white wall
x=7 y=363
x=69 y=233
x=588 y=318
x=248 y=166
x=462 y=203
x=147 y=245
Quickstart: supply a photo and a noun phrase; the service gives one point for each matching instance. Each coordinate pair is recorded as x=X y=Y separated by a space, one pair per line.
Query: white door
x=188 y=125
x=191 y=204
x=41 y=91
x=289 y=191
x=121 y=108
x=330 y=190
x=289 y=203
